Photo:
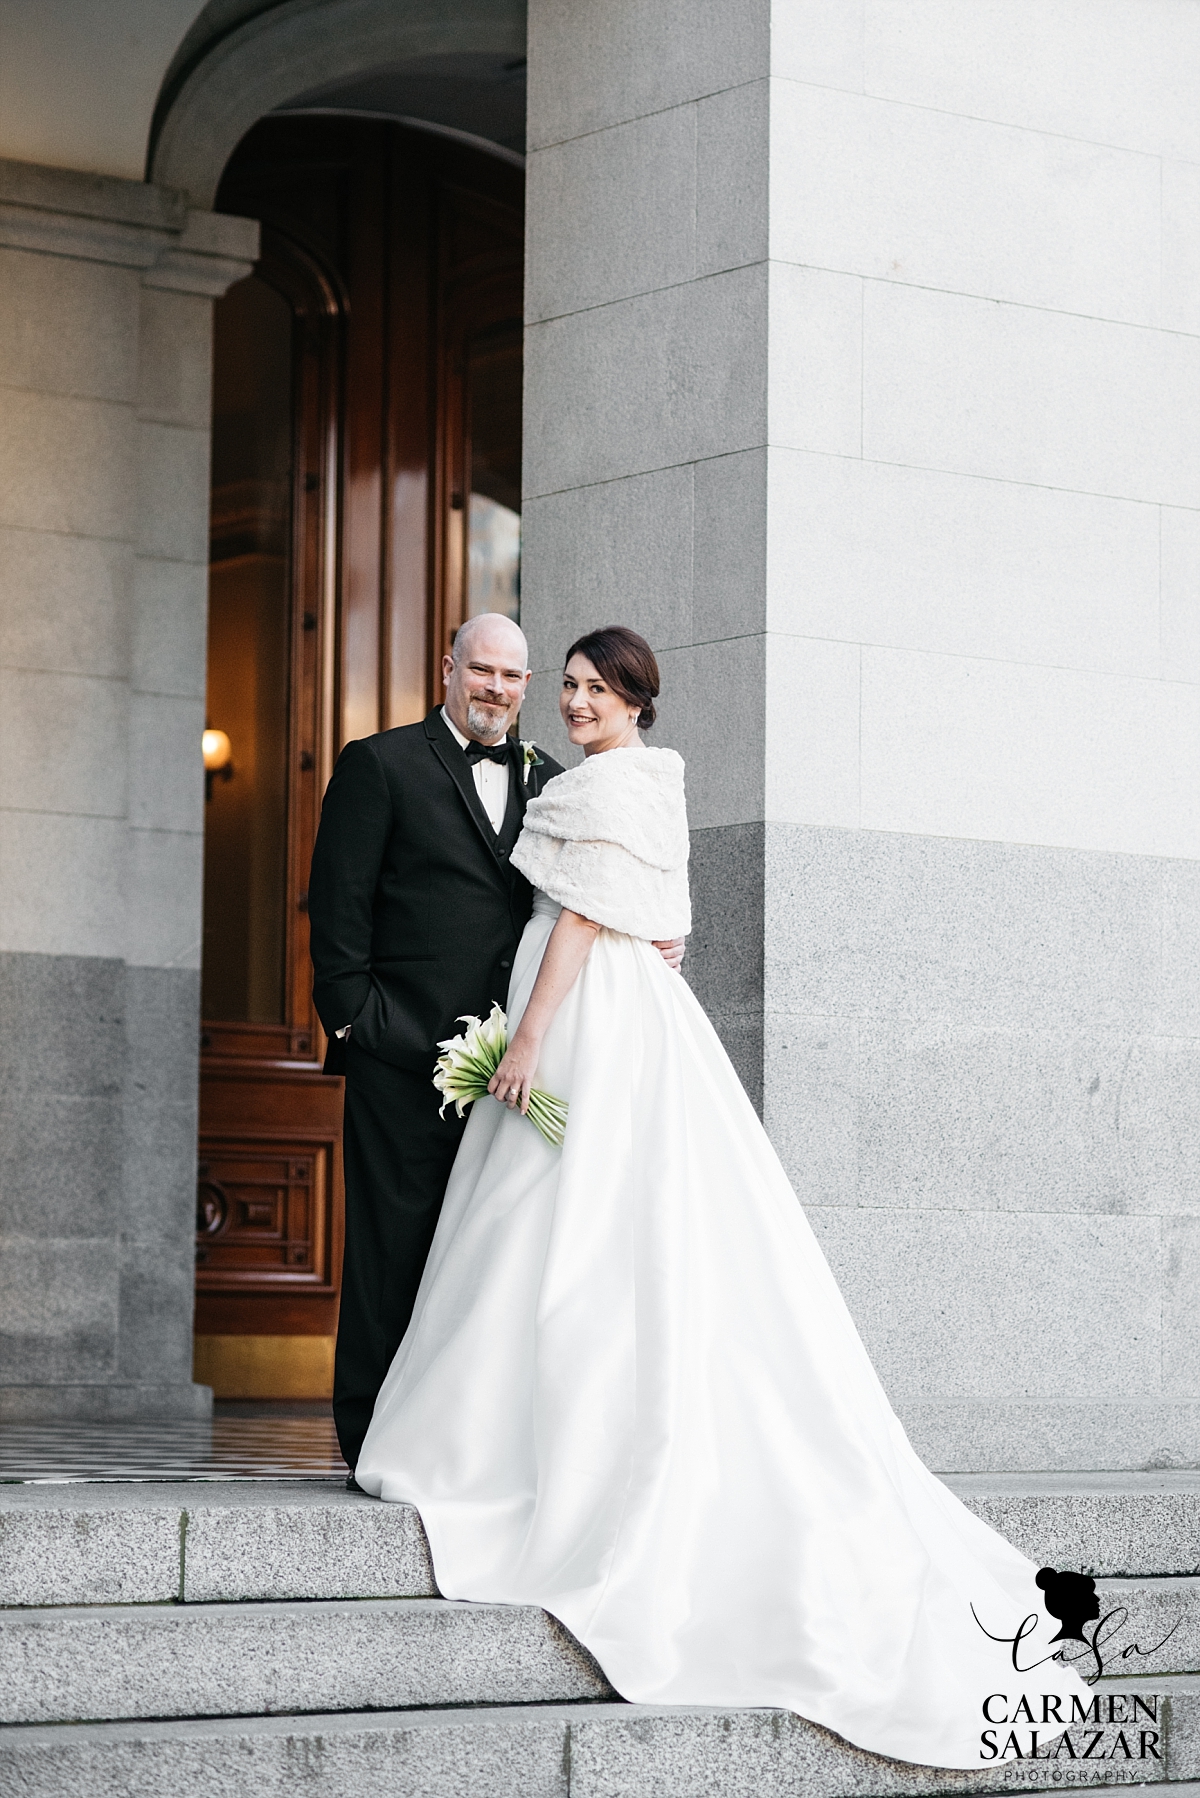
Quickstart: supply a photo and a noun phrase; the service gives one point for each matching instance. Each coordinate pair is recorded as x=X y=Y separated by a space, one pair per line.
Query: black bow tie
x=493 y=752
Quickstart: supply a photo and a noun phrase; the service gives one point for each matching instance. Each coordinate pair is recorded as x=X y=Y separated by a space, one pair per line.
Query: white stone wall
x=983 y=293
x=984 y=539
x=104 y=417
x=78 y=82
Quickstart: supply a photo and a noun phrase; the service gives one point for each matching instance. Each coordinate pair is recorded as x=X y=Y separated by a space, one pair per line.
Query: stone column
x=862 y=376
x=105 y=369
x=648 y=311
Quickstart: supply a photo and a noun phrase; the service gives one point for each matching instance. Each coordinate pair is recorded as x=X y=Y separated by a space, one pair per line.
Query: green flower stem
x=549 y=1115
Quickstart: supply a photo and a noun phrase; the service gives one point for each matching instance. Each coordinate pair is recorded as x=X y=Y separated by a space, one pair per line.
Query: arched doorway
x=366 y=498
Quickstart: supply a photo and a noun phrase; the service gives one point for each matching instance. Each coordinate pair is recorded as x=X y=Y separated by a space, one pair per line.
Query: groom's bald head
x=486 y=675
x=490 y=632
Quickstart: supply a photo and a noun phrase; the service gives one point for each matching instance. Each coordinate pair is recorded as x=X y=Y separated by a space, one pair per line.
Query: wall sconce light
x=218 y=759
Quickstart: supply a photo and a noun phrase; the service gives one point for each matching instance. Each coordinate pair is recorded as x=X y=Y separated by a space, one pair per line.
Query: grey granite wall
x=724 y=960
x=61 y=1056
x=983 y=1026
x=980 y=1064
x=97 y=1188
x=158 y=1213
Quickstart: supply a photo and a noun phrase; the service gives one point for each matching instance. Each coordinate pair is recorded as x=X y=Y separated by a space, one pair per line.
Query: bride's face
x=596 y=718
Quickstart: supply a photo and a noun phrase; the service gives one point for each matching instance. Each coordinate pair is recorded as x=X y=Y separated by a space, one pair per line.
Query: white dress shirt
x=491 y=779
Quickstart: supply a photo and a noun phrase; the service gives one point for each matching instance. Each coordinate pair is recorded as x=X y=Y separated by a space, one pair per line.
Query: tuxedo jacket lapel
x=458 y=768
x=516 y=786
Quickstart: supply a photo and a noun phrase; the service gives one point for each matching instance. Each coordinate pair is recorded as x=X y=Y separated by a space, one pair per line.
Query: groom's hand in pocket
x=671 y=951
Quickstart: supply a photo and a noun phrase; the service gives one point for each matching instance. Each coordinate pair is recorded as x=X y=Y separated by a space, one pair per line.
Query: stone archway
x=292 y=50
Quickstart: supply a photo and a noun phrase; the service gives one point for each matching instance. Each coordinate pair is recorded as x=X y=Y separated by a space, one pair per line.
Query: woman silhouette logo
x=1071 y=1597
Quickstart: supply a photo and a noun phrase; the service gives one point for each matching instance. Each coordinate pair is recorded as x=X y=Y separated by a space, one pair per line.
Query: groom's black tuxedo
x=414 y=907
x=415 y=913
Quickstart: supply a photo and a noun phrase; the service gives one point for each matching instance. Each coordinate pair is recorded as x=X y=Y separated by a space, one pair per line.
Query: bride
x=631 y=1392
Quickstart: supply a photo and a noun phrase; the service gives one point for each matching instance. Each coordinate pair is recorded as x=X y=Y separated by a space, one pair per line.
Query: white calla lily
x=468 y=1062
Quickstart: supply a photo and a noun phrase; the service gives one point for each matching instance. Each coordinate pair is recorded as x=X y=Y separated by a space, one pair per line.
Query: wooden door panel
x=394 y=249
x=263 y=1220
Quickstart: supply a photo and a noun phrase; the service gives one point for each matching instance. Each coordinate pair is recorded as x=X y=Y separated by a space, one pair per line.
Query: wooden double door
x=365 y=500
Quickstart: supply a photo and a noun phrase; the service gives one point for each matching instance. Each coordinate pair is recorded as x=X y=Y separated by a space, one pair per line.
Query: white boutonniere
x=529 y=759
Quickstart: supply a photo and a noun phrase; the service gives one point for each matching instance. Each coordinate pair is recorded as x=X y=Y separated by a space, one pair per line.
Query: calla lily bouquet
x=468 y=1063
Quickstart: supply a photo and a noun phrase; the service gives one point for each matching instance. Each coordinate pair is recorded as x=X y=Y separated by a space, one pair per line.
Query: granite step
x=1114 y=1524
x=69 y=1663
x=551 y=1751
x=1145 y=1626
x=227 y=1542
x=73 y=1664
x=66 y=1664
x=206 y=1543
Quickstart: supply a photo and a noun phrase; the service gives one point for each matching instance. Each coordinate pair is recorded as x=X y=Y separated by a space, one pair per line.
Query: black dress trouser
x=397 y=1154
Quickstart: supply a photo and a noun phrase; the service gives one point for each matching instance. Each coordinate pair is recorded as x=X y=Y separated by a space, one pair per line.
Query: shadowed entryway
x=366 y=498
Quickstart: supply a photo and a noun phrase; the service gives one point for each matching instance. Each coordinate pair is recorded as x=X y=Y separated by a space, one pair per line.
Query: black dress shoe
x=352 y=1484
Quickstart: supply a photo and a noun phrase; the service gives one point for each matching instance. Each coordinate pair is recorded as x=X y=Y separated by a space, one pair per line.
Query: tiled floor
x=243 y=1442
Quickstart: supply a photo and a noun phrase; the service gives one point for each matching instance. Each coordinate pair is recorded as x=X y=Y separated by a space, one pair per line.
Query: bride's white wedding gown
x=631 y=1393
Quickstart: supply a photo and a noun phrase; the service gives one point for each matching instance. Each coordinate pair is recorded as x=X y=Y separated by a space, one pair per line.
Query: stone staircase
x=243 y=1640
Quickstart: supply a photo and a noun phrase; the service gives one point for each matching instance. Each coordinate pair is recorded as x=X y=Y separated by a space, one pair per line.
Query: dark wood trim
x=411 y=436
x=480 y=263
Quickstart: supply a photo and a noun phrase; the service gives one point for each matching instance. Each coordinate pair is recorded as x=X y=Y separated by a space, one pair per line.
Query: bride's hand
x=671 y=950
x=512 y=1082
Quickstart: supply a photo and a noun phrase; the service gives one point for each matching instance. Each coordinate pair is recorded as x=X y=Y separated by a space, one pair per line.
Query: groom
x=415 y=913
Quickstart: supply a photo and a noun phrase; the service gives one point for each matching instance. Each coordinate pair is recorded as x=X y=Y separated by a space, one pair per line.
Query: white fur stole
x=609 y=840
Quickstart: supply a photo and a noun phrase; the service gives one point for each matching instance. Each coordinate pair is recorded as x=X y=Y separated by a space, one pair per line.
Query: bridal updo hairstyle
x=626 y=663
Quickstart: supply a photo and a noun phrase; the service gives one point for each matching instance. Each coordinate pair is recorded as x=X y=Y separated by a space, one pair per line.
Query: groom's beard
x=483 y=723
